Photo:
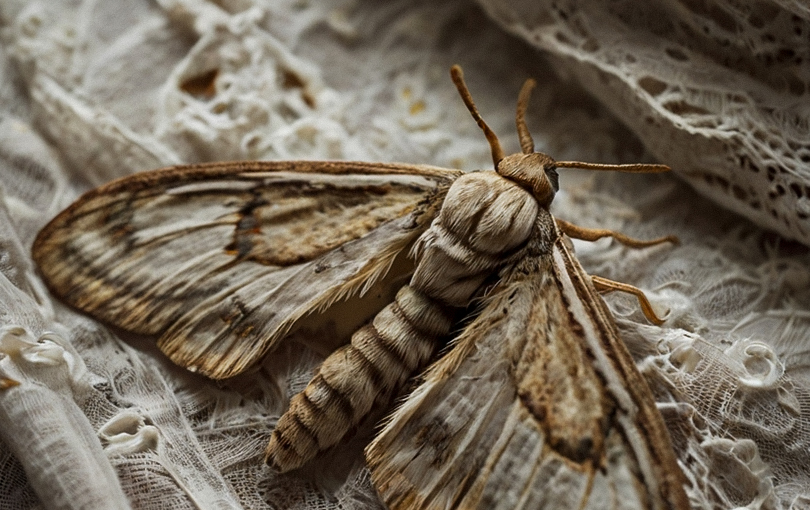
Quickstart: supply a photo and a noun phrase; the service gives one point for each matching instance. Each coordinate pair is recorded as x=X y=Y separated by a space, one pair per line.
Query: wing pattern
x=527 y=411
x=221 y=259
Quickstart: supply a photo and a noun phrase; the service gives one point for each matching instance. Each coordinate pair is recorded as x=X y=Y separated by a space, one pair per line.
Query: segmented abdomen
x=382 y=355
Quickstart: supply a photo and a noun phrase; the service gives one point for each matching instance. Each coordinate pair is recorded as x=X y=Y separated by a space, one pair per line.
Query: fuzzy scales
x=91 y=90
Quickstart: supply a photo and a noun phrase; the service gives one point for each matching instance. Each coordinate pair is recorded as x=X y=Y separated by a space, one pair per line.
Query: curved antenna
x=526 y=142
x=634 y=168
x=495 y=146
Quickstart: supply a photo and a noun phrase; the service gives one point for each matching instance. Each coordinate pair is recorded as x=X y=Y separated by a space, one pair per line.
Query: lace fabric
x=94 y=90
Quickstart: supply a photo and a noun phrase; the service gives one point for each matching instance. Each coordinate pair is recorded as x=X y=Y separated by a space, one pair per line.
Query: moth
x=537 y=404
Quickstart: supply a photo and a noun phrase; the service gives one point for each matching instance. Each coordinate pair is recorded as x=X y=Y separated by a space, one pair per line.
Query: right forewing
x=221 y=259
x=520 y=415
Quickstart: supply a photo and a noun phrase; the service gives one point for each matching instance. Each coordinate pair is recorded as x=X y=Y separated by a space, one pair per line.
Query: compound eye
x=553 y=178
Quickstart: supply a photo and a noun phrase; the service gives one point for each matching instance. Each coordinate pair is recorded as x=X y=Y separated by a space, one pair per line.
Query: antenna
x=634 y=168
x=526 y=142
x=495 y=146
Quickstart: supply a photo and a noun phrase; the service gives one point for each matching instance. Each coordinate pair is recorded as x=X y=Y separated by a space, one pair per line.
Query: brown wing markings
x=521 y=443
x=344 y=214
x=476 y=465
x=140 y=303
x=445 y=423
x=137 y=284
x=494 y=462
x=132 y=184
x=632 y=395
x=153 y=183
x=559 y=373
x=84 y=290
x=95 y=269
x=178 y=341
x=76 y=264
x=98 y=271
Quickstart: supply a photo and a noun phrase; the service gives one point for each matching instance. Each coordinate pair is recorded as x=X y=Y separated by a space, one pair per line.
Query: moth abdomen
x=381 y=357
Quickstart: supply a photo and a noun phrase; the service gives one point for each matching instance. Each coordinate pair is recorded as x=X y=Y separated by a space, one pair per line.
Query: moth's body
x=483 y=221
x=537 y=405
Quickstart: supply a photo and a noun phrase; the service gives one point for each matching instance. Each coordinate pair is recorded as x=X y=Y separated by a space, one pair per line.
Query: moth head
x=534 y=171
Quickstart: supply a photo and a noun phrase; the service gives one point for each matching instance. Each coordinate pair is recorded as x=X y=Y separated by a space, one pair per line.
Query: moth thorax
x=488 y=213
x=530 y=172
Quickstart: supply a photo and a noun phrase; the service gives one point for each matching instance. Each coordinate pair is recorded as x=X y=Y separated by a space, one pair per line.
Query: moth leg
x=593 y=234
x=7 y=383
x=603 y=285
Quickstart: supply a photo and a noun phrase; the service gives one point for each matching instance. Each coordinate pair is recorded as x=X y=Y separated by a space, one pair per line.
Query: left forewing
x=538 y=405
x=220 y=260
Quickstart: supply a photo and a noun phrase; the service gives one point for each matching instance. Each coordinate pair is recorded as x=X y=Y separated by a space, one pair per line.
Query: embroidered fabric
x=92 y=90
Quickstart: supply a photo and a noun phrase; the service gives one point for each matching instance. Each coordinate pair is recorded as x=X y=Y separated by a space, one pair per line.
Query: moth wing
x=221 y=259
x=517 y=416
